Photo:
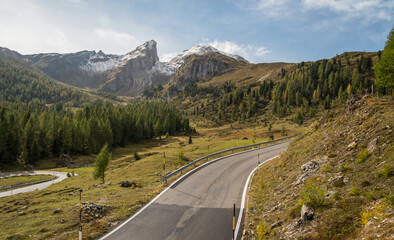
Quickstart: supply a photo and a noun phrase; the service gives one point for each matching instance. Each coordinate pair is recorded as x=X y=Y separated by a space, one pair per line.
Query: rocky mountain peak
x=199 y=50
x=148 y=49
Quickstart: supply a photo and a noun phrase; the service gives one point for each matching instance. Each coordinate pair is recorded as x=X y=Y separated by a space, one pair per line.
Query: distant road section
x=61 y=176
x=199 y=205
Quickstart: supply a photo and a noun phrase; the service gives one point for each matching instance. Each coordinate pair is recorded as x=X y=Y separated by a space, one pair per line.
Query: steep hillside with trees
x=334 y=182
x=21 y=84
x=296 y=91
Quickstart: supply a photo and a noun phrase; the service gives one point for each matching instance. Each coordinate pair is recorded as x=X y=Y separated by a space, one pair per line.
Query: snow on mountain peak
x=199 y=50
x=100 y=62
x=141 y=50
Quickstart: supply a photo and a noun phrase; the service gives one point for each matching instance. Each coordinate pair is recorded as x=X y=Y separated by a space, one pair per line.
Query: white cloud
x=113 y=36
x=274 y=8
x=115 y=42
x=248 y=51
x=369 y=9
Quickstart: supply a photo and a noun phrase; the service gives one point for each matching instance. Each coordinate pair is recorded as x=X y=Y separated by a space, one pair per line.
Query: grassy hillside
x=342 y=170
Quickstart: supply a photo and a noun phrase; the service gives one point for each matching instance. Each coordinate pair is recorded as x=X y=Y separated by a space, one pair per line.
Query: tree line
x=29 y=134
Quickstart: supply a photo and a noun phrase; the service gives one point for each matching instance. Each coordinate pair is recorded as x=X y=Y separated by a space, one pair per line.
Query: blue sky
x=259 y=30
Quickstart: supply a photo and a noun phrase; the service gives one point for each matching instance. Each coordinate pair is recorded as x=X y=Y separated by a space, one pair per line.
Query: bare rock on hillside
x=277 y=224
x=372 y=145
x=91 y=211
x=306 y=213
x=57 y=210
x=310 y=166
x=351 y=103
x=351 y=146
x=337 y=181
x=64 y=160
x=301 y=179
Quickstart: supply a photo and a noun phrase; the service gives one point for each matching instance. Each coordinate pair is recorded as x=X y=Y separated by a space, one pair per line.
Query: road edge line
x=244 y=196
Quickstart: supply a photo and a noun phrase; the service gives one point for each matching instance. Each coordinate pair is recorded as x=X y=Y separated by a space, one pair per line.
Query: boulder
x=372 y=145
x=57 y=210
x=306 y=213
x=132 y=184
x=351 y=146
x=301 y=179
x=351 y=103
x=64 y=160
x=91 y=211
x=126 y=184
x=310 y=166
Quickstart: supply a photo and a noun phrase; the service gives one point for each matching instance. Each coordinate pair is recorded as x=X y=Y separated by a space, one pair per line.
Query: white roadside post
x=80 y=214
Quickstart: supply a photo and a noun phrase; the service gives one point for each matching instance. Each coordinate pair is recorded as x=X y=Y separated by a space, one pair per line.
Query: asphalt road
x=61 y=176
x=200 y=206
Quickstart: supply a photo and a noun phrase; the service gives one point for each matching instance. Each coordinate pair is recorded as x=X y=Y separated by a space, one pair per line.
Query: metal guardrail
x=27 y=184
x=225 y=151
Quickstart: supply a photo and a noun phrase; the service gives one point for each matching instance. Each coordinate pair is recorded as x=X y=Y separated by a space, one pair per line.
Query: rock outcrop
x=203 y=67
x=64 y=160
x=139 y=70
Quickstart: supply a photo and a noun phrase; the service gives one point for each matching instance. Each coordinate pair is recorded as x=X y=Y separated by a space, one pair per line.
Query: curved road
x=60 y=177
x=198 y=206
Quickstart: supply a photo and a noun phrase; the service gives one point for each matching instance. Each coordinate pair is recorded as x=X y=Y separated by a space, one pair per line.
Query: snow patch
x=100 y=62
x=164 y=68
x=140 y=50
x=199 y=50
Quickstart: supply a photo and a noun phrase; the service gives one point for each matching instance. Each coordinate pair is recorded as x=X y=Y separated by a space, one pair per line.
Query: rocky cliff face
x=202 y=68
x=139 y=70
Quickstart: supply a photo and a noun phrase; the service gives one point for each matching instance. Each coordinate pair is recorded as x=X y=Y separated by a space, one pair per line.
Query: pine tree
x=349 y=90
x=384 y=68
x=157 y=128
x=101 y=163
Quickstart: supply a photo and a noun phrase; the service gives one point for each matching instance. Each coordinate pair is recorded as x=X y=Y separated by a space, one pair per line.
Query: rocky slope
x=199 y=68
x=335 y=182
x=138 y=70
x=141 y=69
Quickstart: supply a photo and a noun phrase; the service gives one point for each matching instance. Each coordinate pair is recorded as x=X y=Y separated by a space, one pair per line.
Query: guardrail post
x=164 y=161
x=164 y=180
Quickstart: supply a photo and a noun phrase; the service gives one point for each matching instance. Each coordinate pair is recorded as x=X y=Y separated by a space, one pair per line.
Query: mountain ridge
x=129 y=74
